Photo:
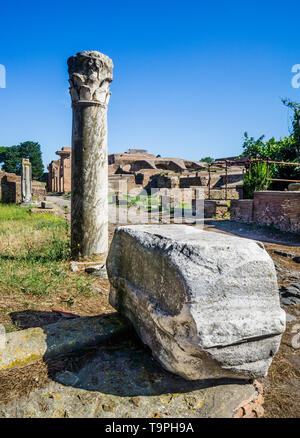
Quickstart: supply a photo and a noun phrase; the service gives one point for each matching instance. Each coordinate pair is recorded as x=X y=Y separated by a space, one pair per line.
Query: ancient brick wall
x=11 y=188
x=186 y=182
x=241 y=210
x=1 y=176
x=59 y=176
x=11 y=191
x=220 y=194
x=280 y=209
x=38 y=191
x=122 y=183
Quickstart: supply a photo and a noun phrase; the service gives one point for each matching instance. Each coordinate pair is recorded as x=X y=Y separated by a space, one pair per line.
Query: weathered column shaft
x=90 y=76
x=26 y=182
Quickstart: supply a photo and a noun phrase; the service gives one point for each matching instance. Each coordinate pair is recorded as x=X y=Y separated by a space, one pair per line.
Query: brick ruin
x=136 y=169
x=59 y=172
x=142 y=170
x=11 y=190
x=279 y=209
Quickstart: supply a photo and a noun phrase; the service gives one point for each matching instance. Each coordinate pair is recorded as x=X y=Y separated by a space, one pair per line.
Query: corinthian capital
x=90 y=75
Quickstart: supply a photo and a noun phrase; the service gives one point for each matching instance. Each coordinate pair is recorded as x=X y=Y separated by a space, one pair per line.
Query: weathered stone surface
x=121 y=380
x=27 y=346
x=206 y=304
x=47 y=205
x=294 y=187
x=97 y=270
x=26 y=182
x=90 y=76
x=290 y=295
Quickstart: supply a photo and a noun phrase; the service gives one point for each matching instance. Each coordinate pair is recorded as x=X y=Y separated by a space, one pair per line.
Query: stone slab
x=206 y=304
x=122 y=380
x=27 y=346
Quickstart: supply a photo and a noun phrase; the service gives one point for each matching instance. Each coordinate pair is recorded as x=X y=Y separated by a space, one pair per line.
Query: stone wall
x=10 y=188
x=38 y=191
x=59 y=176
x=241 y=210
x=11 y=192
x=122 y=183
x=280 y=209
x=185 y=182
x=212 y=208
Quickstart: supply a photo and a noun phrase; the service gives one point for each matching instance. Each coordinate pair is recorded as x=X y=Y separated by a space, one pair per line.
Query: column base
x=97 y=269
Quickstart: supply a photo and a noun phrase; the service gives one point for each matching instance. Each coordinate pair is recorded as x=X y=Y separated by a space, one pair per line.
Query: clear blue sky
x=190 y=76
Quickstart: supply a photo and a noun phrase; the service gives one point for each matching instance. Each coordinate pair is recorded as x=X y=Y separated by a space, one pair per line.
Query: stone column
x=90 y=76
x=26 y=183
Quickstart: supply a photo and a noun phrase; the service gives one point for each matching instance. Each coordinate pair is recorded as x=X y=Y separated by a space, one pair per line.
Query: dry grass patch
x=34 y=269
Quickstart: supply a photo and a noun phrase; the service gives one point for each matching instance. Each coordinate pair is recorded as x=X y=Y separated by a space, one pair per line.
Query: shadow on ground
x=121 y=366
x=36 y=318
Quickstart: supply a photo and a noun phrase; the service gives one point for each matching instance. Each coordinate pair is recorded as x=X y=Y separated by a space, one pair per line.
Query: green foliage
x=12 y=160
x=295 y=124
x=276 y=150
x=12 y=157
x=2 y=153
x=207 y=160
x=285 y=149
x=255 y=179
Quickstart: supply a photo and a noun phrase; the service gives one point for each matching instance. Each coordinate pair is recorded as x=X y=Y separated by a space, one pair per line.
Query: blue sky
x=190 y=76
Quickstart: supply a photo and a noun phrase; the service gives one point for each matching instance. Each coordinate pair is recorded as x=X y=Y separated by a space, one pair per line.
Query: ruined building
x=141 y=169
x=59 y=176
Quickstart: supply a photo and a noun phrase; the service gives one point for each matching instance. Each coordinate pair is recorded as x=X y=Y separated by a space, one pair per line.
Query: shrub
x=255 y=179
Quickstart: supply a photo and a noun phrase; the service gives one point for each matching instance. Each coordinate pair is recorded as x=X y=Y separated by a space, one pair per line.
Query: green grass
x=34 y=254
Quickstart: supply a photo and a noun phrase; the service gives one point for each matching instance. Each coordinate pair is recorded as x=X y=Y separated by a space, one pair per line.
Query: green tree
x=295 y=124
x=255 y=179
x=207 y=160
x=13 y=156
x=2 y=153
x=274 y=150
x=12 y=160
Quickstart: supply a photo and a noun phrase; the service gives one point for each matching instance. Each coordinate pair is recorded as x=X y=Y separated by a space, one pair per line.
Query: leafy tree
x=255 y=179
x=274 y=150
x=295 y=128
x=285 y=149
x=12 y=160
x=207 y=160
x=13 y=155
x=2 y=153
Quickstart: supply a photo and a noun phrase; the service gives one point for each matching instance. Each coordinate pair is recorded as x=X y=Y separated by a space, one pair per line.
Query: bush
x=255 y=179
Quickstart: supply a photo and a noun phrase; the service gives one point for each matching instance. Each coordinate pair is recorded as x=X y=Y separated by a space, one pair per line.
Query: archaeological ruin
x=11 y=189
x=198 y=314
x=59 y=172
x=90 y=76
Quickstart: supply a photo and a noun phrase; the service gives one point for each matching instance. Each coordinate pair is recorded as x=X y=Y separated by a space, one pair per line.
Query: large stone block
x=206 y=304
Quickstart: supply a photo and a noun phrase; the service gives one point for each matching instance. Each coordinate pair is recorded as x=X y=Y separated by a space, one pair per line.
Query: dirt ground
x=281 y=387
